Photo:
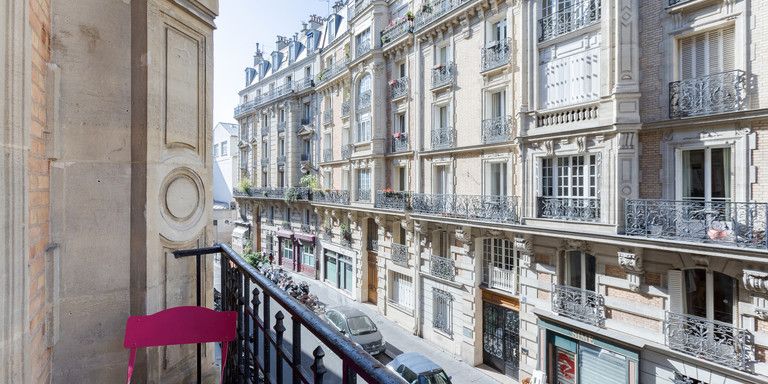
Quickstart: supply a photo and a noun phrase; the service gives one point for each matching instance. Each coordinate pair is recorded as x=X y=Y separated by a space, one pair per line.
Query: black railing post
x=318 y=367
x=247 y=325
x=237 y=284
x=255 y=339
x=198 y=300
x=348 y=374
x=267 y=338
x=279 y=330
x=296 y=346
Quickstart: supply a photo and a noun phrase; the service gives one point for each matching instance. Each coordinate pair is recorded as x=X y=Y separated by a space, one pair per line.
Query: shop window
x=308 y=255
x=287 y=249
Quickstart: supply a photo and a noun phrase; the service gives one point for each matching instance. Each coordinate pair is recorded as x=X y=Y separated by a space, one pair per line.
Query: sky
x=240 y=25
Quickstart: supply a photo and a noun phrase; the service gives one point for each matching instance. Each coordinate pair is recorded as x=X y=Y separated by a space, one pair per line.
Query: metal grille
x=579 y=304
x=497 y=129
x=442 y=304
x=442 y=267
x=711 y=340
x=473 y=207
x=399 y=88
x=443 y=75
x=706 y=95
x=399 y=28
x=400 y=254
x=442 y=138
x=569 y=208
x=562 y=17
x=495 y=55
x=392 y=200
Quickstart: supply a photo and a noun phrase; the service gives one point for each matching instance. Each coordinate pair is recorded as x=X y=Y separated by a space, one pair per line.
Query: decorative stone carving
x=702 y=261
x=578 y=245
x=632 y=263
x=524 y=247
x=549 y=147
x=755 y=281
x=627 y=140
x=581 y=144
x=464 y=236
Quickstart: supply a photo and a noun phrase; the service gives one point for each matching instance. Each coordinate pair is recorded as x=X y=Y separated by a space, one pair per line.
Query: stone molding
x=632 y=263
x=755 y=281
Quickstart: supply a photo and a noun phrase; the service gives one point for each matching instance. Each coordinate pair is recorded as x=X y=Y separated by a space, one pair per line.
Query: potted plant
x=392 y=82
x=409 y=16
x=385 y=39
x=399 y=135
x=244 y=185
x=291 y=195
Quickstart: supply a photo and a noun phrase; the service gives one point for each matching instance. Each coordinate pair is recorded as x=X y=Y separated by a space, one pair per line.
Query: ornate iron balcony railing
x=472 y=207
x=356 y=7
x=395 y=30
x=267 y=193
x=362 y=48
x=579 y=304
x=707 y=95
x=286 y=224
x=399 y=144
x=264 y=313
x=346 y=107
x=569 y=208
x=443 y=75
x=497 y=129
x=364 y=100
x=565 y=19
x=305 y=228
x=431 y=11
x=265 y=161
x=281 y=160
x=328 y=116
x=495 y=55
x=500 y=278
x=711 y=340
x=399 y=87
x=331 y=197
x=740 y=224
x=442 y=267
x=265 y=130
x=398 y=201
x=281 y=126
x=364 y=195
x=301 y=85
x=331 y=71
x=327 y=233
x=347 y=150
x=442 y=138
x=245 y=107
x=400 y=254
x=328 y=154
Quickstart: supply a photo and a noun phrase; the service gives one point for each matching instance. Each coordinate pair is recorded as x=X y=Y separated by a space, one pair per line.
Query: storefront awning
x=305 y=237
x=282 y=233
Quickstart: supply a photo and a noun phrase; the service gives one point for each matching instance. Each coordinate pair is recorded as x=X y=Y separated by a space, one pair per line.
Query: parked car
x=416 y=368
x=357 y=326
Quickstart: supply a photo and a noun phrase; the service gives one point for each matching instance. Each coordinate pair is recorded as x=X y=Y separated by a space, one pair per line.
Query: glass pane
x=723 y=290
x=693 y=175
x=721 y=174
x=574 y=269
x=696 y=292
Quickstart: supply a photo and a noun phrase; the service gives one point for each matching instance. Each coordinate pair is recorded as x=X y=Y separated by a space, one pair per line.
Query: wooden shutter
x=675 y=290
x=708 y=53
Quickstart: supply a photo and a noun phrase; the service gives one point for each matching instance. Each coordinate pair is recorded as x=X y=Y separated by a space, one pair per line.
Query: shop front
x=501 y=333
x=575 y=357
x=338 y=270
x=304 y=249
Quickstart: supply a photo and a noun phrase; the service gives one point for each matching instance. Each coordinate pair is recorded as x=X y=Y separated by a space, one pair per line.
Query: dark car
x=357 y=326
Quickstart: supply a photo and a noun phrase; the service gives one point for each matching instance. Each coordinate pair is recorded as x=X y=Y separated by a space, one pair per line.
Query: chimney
x=282 y=42
x=303 y=27
x=258 y=56
x=315 y=21
x=337 y=6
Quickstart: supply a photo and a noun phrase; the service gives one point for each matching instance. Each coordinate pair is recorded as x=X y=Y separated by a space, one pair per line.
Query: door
x=331 y=270
x=373 y=278
x=501 y=339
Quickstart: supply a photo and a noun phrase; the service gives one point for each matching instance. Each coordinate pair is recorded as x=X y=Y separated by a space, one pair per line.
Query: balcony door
x=440 y=180
x=496 y=179
x=704 y=187
x=707 y=53
x=578 y=270
x=498 y=104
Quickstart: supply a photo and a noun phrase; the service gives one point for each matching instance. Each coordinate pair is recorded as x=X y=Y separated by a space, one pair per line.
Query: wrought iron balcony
x=711 y=340
x=331 y=197
x=500 y=278
x=443 y=75
x=327 y=154
x=306 y=120
x=301 y=85
x=357 y=7
x=569 y=208
x=442 y=267
x=346 y=107
x=364 y=195
x=472 y=207
x=281 y=160
x=442 y=138
x=264 y=193
x=579 y=304
x=347 y=150
x=672 y=3
x=398 y=201
x=327 y=233
x=245 y=107
x=364 y=100
x=328 y=116
x=276 y=332
x=495 y=55
x=332 y=71
x=362 y=48
x=433 y=10
x=741 y=224
x=395 y=30
x=265 y=130
x=497 y=129
x=707 y=95
x=305 y=228
x=400 y=144
x=281 y=126
x=562 y=20
x=400 y=254
x=399 y=87
x=286 y=224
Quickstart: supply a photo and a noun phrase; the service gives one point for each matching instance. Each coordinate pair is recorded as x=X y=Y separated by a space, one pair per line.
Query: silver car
x=357 y=326
x=416 y=368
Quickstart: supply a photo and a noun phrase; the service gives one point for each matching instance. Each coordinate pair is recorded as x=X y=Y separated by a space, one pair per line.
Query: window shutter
x=675 y=290
x=729 y=47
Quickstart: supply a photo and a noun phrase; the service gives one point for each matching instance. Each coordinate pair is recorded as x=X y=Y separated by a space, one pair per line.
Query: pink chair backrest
x=180 y=325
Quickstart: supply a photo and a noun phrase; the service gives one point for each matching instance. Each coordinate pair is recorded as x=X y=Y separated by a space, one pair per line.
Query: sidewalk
x=398 y=339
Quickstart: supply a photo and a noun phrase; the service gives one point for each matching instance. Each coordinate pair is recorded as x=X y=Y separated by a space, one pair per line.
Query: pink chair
x=180 y=325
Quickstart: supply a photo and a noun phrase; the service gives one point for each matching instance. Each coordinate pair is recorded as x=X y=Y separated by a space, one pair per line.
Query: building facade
x=225 y=156
x=550 y=187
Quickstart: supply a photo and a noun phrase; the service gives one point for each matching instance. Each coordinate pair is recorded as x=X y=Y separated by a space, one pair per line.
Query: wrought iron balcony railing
x=398 y=201
x=399 y=87
x=501 y=278
x=442 y=138
x=741 y=224
x=364 y=195
x=579 y=304
x=245 y=107
x=400 y=144
x=347 y=150
x=472 y=207
x=281 y=160
x=305 y=228
x=263 y=192
x=443 y=75
x=395 y=30
x=278 y=337
x=560 y=19
x=301 y=85
x=331 y=71
x=433 y=10
x=707 y=95
x=331 y=197
x=497 y=129
x=495 y=55
x=356 y=7
x=364 y=100
x=286 y=224
x=327 y=154
x=327 y=233
x=672 y=3
x=569 y=208
x=362 y=48
x=281 y=126
x=442 y=267
x=400 y=254
x=346 y=107
x=711 y=340
x=328 y=116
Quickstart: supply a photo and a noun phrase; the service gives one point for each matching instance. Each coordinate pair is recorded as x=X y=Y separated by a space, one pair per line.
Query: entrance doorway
x=501 y=339
x=373 y=278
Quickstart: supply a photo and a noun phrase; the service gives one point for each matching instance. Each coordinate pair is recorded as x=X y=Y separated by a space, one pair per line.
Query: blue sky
x=240 y=25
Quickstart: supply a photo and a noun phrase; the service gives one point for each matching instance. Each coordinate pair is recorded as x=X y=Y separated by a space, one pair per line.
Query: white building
x=225 y=155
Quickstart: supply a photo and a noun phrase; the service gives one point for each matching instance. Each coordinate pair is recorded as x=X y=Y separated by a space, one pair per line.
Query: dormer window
x=277 y=59
x=311 y=41
x=331 y=27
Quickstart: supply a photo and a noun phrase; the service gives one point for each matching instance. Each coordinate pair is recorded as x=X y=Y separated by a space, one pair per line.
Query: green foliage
x=291 y=195
x=255 y=259
x=310 y=181
x=244 y=184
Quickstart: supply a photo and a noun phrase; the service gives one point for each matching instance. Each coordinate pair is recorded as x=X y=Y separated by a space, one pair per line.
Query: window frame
x=550 y=184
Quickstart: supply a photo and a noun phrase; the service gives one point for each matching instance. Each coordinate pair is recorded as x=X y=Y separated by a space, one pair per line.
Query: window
x=498 y=104
x=244 y=158
x=401 y=123
x=310 y=41
x=496 y=179
x=331 y=28
x=442 y=246
x=498 y=33
x=328 y=180
x=578 y=270
x=707 y=53
x=364 y=183
x=442 y=117
x=307 y=73
x=362 y=40
x=363 y=132
x=265 y=179
x=401 y=293
x=265 y=121
x=280 y=115
x=442 y=55
x=706 y=174
x=401 y=70
x=224 y=150
x=215 y=150
x=308 y=255
x=281 y=180
x=440 y=180
x=569 y=176
x=569 y=76
x=287 y=249
x=441 y=310
x=264 y=150
x=402 y=179
x=500 y=269
x=281 y=147
x=306 y=146
x=706 y=294
x=306 y=113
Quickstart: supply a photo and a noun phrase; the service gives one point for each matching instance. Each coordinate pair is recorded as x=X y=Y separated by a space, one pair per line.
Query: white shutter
x=708 y=53
x=675 y=290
